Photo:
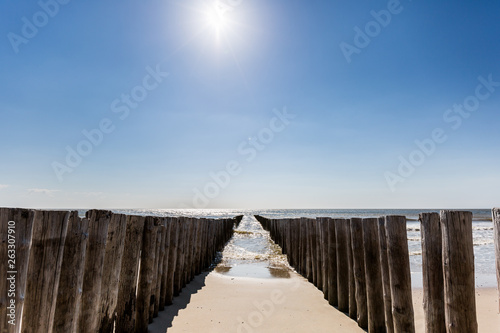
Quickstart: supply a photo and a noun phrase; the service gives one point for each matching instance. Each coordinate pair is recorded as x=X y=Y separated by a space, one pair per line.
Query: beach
x=253 y=289
x=220 y=303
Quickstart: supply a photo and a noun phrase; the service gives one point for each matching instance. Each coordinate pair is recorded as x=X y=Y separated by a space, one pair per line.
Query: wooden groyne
x=496 y=230
x=364 y=267
x=102 y=273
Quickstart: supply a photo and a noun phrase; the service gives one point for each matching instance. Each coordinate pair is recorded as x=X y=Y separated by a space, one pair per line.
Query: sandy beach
x=221 y=303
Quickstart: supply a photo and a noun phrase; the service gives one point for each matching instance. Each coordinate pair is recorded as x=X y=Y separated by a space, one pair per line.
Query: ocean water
x=252 y=253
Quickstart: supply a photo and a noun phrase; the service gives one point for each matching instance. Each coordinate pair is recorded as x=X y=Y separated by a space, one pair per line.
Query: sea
x=252 y=253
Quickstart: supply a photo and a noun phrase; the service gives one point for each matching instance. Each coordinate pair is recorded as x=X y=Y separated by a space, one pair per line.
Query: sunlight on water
x=251 y=252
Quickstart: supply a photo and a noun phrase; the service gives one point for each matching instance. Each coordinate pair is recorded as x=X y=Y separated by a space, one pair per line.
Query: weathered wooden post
x=432 y=271
x=179 y=268
x=342 y=265
x=20 y=223
x=332 y=263
x=374 y=288
x=88 y=320
x=358 y=256
x=303 y=247
x=323 y=232
x=200 y=231
x=458 y=269
x=71 y=280
x=172 y=258
x=157 y=270
x=296 y=247
x=353 y=311
x=308 y=253
x=311 y=226
x=146 y=274
x=127 y=301
x=319 y=254
x=496 y=228
x=111 y=272
x=400 y=276
x=44 y=270
x=165 y=264
x=386 y=279
x=188 y=253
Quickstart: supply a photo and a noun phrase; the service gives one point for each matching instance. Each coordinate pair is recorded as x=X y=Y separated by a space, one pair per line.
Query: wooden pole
x=188 y=253
x=332 y=263
x=127 y=302
x=146 y=274
x=358 y=256
x=319 y=254
x=172 y=259
x=308 y=253
x=111 y=272
x=399 y=270
x=303 y=246
x=353 y=311
x=165 y=264
x=295 y=227
x=496 y=228
x=198 y=245
x=156 y=283
x=374 y=288
x=386 y=280
x=323 y=234
x=432 y=271
x=342 y=265
x=20 y=223
x=72 y=270
x=313 y=251
x=44 y=270
x=458 y=271
x=88 y=320
x=290 y=244
x=179 y=270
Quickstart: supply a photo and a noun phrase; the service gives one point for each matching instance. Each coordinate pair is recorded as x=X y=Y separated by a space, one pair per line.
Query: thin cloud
x=91 y=194
x=43 y=191
x=3 y=186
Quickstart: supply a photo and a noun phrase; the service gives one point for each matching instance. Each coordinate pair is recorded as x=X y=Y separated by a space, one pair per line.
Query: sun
x=216 y=19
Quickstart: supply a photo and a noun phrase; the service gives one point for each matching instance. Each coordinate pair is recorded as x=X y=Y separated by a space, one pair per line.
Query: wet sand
x=225 y=303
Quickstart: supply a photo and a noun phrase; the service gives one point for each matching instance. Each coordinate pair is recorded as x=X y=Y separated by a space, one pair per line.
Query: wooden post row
x=496 y=230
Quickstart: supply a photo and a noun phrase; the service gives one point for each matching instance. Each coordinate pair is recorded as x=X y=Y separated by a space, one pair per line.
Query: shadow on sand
x=165 y=317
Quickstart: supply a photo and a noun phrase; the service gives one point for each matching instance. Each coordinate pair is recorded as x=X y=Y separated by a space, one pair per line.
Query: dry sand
x=221 y=303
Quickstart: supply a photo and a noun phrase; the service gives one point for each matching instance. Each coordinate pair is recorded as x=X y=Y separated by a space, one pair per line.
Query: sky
x=250 y=104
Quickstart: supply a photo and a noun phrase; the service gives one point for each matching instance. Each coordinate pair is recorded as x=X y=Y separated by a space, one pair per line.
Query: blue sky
x=263 y=86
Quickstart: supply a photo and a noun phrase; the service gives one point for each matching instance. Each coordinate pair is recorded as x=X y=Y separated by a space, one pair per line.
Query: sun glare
x=216 y=19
